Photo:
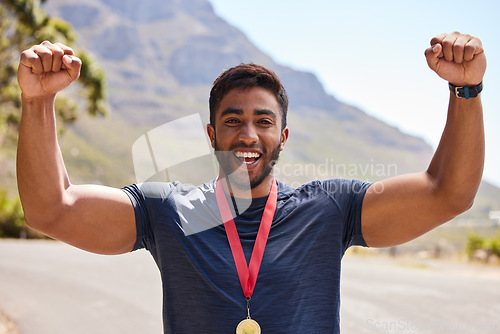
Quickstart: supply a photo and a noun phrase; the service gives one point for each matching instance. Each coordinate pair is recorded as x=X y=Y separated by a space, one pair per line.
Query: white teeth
x=247 y=155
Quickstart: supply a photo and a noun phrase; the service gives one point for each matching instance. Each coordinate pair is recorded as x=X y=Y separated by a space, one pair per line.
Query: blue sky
x=370 y=54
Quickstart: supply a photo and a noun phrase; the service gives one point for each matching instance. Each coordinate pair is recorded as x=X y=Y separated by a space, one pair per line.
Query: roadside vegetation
x=483 y=249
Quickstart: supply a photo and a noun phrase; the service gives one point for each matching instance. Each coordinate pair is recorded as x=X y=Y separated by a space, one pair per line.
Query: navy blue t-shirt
x=298 y=287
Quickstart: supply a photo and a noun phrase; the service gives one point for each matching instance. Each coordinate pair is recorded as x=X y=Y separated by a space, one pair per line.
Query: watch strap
x=466 y=91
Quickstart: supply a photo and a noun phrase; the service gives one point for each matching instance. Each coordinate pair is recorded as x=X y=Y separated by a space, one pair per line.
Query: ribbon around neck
x=247 y=274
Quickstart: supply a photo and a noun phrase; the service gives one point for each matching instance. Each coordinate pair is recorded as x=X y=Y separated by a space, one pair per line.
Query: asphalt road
x=381 y=295
x=48 y=287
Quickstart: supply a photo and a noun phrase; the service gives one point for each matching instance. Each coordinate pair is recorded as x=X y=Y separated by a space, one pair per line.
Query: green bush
x=495 y=245
x=474 y=243
x=12 y=223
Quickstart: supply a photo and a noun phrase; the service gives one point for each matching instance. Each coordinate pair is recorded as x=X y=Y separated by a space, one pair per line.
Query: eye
x=265 y=121
x=232 y=121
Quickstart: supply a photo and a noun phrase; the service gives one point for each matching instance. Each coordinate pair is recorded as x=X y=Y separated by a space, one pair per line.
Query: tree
x=22 y=24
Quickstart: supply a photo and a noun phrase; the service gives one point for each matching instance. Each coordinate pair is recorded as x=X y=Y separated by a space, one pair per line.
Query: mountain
x=161 y=57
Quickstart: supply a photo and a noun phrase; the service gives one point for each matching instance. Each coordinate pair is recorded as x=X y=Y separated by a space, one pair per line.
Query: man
x=292 y=281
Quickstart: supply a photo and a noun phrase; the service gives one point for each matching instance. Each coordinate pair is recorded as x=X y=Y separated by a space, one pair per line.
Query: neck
x=235 y=190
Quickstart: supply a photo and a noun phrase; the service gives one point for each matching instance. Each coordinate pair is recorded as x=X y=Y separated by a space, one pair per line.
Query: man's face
x=247 y=135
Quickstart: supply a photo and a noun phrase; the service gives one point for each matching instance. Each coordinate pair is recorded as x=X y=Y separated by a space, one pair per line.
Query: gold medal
x=248 y=326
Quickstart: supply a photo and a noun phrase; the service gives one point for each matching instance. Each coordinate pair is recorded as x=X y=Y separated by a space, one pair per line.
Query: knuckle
x=24 y=54
x=61 y=45
x=438 y=39
x=58 y=52
x=469 y=47
x=447 y=42
x=435 y=40
x=66 y=49
x=41 y=50
x=458 y=47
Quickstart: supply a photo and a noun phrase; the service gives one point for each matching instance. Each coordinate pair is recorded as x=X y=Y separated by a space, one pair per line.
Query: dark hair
x=246 y=76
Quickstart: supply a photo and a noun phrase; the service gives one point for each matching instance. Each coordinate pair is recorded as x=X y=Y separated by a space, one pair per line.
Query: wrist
x=25 y=98
x=466 y=91
x=38 y=103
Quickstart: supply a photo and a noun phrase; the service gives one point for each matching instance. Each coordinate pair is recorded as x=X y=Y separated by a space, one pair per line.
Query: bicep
x=97 y=219
x=400 y=209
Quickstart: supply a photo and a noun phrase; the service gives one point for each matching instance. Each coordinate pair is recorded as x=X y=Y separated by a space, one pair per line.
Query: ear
x=211 y=135
x=284 y=138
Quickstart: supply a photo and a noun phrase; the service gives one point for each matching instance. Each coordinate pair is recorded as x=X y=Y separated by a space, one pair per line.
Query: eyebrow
x=257 y=112
x=268 y=112
x=230 y=110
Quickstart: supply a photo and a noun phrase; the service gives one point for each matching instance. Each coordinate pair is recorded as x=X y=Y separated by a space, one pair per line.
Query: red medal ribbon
x=248 y=275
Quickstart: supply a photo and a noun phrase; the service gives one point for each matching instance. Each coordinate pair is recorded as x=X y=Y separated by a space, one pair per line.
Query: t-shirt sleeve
x=146 y=199
x=349 y=195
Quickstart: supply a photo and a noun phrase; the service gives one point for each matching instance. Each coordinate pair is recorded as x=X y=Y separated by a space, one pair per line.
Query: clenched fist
x=46 y=69
x=457 y=58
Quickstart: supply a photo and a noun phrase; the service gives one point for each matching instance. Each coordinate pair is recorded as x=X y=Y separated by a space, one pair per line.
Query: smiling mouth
x=247 y=158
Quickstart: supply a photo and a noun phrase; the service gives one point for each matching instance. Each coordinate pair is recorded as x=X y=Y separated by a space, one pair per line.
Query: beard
x=238 y=175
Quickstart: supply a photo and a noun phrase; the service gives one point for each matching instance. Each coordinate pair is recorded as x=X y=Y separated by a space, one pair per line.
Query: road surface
x=381 y=295
x=48 y=287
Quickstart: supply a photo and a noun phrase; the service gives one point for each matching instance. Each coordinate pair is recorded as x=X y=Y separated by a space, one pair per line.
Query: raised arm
x=400 y=209
x=95 y=218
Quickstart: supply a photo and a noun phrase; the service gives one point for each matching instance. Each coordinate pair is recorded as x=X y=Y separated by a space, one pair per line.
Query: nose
x=248 y=134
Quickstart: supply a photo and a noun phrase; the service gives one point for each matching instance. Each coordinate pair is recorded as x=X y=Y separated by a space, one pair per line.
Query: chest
x=304 y=240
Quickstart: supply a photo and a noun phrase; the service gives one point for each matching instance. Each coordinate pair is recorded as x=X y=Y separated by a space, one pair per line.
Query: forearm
x=41 y=174
x=457 y=166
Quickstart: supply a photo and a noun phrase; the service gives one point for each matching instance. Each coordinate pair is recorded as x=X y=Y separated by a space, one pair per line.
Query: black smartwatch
x=466 y=91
